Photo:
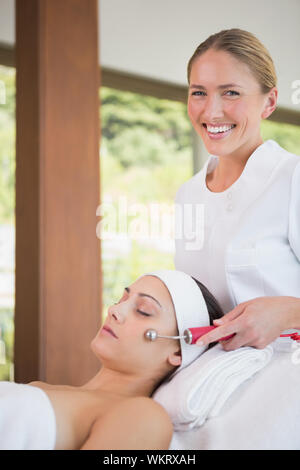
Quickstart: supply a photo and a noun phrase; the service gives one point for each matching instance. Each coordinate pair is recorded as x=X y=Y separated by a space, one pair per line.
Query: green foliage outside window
x=7 y=216
x=146 y=154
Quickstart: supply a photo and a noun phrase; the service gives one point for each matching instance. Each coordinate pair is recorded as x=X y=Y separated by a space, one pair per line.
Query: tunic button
x=229 y=207
x=229 y=195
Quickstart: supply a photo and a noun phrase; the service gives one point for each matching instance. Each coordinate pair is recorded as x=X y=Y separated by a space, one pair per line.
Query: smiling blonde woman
x=249 y=190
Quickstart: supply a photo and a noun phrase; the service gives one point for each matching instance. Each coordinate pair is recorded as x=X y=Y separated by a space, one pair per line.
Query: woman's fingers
x=217 y=334
x=230 y=324
x=232 y=315
x=255 y=323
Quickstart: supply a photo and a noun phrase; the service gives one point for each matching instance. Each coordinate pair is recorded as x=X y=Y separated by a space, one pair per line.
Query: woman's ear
x=271 y=103
x=175 y=358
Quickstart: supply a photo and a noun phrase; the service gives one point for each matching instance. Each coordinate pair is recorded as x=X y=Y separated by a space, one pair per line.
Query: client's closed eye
x=144 y=313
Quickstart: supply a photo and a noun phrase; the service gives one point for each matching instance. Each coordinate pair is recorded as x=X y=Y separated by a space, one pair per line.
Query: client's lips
x=109 y=330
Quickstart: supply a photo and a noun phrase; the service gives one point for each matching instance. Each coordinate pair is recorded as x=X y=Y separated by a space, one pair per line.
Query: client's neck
x=119 y=383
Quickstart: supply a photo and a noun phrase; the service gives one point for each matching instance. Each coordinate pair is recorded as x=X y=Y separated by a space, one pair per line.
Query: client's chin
x=99 y=347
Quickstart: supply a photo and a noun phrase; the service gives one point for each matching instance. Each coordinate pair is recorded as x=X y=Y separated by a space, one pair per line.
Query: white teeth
x=215 y=130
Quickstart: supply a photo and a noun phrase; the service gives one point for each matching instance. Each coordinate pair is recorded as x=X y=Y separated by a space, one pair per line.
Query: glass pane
x=7 y=220
x=146 y=154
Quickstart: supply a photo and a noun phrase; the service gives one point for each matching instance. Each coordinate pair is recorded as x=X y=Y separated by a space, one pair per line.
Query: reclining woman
x=114 y=410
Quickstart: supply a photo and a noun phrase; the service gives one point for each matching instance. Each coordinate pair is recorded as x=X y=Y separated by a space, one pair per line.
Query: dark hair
x=215 y=311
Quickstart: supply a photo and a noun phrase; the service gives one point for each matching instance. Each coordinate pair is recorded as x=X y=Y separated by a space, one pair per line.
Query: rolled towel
x=200 y=390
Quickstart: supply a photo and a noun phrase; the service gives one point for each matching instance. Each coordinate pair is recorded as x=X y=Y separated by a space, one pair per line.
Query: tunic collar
x=256 y=172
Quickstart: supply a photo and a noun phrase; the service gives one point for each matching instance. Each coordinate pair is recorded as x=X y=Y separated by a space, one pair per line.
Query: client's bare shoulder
x=133 y=423
x=46 y=386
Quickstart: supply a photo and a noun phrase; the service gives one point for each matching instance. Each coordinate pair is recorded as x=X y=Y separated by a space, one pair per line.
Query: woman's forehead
x=207 y=64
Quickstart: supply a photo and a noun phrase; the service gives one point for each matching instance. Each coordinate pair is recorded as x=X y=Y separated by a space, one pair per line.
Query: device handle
x=196 y=333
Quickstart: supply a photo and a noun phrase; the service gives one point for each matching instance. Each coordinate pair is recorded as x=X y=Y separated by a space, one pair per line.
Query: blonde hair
x=245 y=47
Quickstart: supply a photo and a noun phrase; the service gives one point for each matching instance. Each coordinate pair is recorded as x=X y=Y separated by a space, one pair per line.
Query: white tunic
x=244 y=242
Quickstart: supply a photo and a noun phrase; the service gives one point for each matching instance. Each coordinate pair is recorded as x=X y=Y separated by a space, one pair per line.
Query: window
x=7 y=220
x=146 y=154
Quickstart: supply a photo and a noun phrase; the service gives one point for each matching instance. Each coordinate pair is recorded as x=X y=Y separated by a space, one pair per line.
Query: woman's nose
x=117 y=312
x=213 y=109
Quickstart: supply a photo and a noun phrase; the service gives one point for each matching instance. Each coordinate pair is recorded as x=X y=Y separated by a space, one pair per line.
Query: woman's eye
x=196 y=93
x=144 y=313
x=232 y=91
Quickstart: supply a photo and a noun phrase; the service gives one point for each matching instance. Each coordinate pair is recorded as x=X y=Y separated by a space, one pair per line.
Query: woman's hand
x=256 y=322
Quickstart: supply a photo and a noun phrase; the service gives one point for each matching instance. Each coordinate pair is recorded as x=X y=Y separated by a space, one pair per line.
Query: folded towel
x=200 y=390
x=262 y=414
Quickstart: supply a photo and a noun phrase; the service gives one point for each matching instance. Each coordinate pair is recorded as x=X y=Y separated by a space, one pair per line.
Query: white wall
x=7 y=21
x=155 y=38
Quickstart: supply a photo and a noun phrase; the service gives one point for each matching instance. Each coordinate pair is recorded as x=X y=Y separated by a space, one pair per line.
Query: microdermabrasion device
x=190 y=335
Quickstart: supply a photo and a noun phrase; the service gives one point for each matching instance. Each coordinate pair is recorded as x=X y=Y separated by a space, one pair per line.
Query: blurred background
x=147 y=147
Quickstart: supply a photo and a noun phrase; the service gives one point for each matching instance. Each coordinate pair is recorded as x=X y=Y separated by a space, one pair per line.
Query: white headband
x=190 y=309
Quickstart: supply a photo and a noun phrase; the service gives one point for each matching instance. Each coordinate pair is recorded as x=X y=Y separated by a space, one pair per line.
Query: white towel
x=262 y=414
x=200 y=390
x=27 y=419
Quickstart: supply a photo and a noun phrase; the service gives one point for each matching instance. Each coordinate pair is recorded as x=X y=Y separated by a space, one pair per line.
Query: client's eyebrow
x=141 y=294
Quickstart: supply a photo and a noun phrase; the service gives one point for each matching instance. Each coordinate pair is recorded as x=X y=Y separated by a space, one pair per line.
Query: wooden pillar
x=58 y=281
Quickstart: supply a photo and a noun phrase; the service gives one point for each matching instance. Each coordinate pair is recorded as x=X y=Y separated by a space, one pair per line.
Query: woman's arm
x=135 y=423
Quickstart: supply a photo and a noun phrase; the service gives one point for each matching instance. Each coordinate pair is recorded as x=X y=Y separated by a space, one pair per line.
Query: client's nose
x=117 y=312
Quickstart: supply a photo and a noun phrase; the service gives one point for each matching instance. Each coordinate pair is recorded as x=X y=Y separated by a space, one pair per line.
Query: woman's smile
x=219 y=132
